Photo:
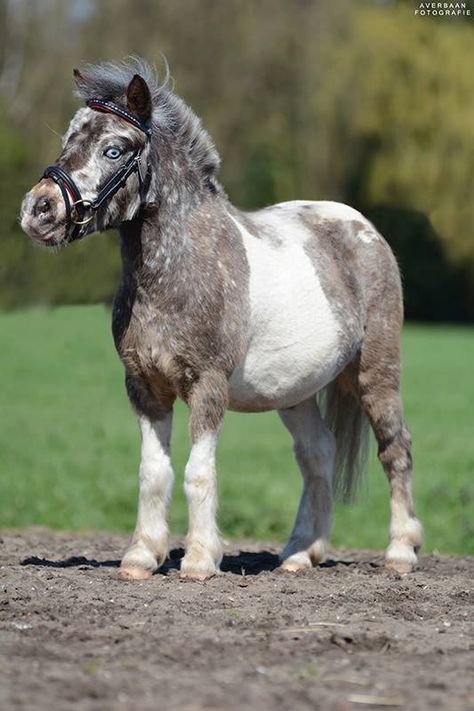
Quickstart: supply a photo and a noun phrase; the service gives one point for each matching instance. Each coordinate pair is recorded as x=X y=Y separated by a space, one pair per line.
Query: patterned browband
x=107 y=107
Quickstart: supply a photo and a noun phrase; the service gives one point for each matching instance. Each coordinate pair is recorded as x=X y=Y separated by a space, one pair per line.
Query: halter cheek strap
x=76 y=206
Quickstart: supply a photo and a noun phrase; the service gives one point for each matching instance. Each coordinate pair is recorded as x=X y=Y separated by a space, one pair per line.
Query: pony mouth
x=51 y=238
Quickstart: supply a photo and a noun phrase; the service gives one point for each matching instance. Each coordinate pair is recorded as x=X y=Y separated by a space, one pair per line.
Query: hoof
x=134 y=574
x=400 y=557
x=199 y=564
x=139 y=563
x=289 y=567
x=296 y=562
x=402 y=567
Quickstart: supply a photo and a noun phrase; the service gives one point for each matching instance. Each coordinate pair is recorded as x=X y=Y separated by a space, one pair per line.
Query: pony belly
x=293 y=351
x=278 y=382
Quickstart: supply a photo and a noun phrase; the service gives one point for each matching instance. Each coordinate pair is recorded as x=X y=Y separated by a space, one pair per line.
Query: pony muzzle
x=43 y=214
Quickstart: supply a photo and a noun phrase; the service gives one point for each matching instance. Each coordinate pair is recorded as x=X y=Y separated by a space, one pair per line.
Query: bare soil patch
x=347 y=635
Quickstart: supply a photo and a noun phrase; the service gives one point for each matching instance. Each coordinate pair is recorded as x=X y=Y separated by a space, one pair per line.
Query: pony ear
x=139 y=98
x=79 y=78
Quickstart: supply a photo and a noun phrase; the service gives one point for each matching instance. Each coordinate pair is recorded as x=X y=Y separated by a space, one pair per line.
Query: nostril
x=42 y=207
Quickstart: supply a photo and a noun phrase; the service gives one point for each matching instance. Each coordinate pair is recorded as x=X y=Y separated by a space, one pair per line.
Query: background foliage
x=355 y=101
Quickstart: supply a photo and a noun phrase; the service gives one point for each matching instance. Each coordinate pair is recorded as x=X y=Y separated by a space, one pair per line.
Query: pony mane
x=171 y=116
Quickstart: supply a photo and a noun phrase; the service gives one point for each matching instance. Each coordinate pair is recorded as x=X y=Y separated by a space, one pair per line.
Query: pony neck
x=159 y=241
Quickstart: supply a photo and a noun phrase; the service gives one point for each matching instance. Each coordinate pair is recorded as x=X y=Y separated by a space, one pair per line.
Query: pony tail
x=347 y=421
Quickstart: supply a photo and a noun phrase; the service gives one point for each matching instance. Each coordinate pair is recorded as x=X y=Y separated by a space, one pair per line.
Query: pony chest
x=144 y=350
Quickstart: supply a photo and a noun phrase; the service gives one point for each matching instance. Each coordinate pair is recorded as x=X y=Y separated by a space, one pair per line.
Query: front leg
x=149 y=546
x=208 y=403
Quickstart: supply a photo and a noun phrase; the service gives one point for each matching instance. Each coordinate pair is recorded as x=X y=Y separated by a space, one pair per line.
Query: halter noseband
x=76 y=206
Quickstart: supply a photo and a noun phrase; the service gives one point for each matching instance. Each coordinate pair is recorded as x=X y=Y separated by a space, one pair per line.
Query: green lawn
x=69 y=443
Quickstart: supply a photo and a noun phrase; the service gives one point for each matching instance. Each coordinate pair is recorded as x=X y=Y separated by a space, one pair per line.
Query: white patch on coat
x=294 y=338
x=201 y=457
x=203 y=547
x=149 y=545
x=406 y=534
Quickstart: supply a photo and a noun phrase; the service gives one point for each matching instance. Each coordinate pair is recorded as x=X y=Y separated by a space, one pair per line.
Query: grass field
x=69 y=443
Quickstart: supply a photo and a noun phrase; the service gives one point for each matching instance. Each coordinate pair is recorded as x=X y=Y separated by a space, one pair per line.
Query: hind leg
x=314 y=449
x=379 y=389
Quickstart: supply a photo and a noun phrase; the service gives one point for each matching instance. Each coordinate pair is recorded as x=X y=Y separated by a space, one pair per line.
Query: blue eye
x=112 y=152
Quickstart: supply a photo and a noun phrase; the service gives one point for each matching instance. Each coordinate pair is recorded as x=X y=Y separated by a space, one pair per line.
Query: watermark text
x=443 y=9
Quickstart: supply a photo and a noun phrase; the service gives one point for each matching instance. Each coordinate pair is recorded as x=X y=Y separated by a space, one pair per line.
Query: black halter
x=77 y=208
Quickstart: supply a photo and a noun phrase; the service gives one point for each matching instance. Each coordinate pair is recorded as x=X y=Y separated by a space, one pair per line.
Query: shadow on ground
x=243 y=563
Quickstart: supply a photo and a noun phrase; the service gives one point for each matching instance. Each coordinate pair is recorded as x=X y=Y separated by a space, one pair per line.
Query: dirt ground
x=347 y=635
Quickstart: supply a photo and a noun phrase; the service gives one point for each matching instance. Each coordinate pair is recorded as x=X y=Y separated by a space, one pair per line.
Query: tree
x=404 y=88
